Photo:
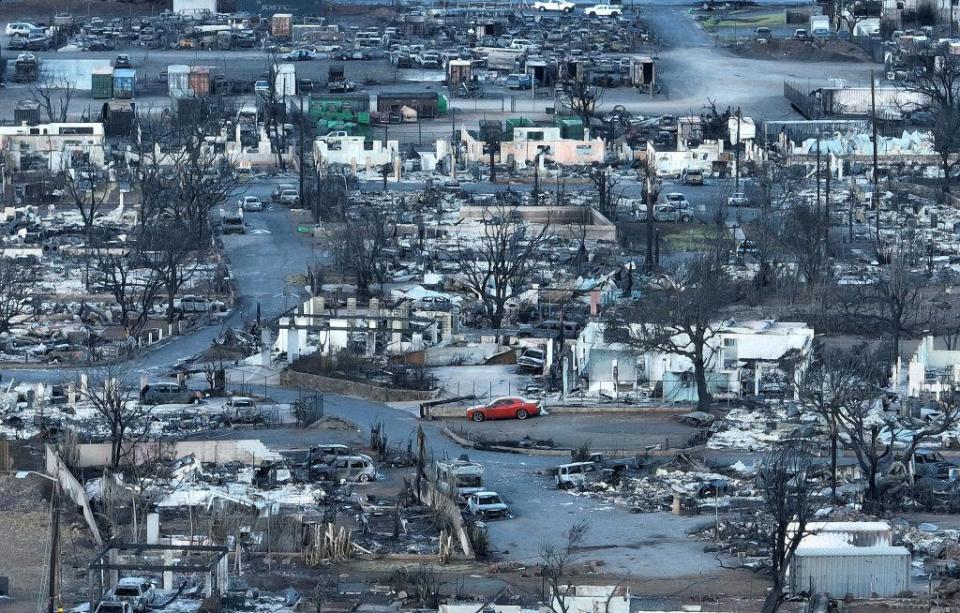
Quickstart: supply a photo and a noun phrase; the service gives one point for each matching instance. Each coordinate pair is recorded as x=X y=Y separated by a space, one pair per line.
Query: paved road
x=262 y=262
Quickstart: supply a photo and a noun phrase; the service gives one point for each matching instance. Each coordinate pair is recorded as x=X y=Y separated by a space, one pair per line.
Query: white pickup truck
x=560 y=6
x=603 y=10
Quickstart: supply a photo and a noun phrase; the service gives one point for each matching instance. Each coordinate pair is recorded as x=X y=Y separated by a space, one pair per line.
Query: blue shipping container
x=124 y=82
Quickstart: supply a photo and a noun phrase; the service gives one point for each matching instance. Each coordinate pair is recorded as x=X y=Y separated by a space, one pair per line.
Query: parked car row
x=564 y=6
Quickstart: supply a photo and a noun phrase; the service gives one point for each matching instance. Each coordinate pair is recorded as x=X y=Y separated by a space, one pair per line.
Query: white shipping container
x=841 y=570
x=286 y=80
x=194 y=7
x=178 y=78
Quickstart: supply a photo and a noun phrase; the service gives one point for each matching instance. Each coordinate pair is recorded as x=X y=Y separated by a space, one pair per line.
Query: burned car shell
x=487 y=505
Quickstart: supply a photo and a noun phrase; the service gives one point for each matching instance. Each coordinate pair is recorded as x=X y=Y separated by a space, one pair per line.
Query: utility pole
x=303 y=169
x=454 y=144
x=853 y=201
x=536 y=179
x=54 y=569
x=736 y=153
x=650 y=238
x=656 y=246
x=818 y=185
x=876 y=145
x=826 y=210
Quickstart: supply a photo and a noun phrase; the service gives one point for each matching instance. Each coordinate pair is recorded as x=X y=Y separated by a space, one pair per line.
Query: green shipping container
x=101 y=81
x=518 y=122
x=571 y=127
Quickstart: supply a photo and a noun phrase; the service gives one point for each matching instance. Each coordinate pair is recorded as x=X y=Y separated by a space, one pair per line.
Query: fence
x=871 y=46
x=811 y=107
x=798 y=131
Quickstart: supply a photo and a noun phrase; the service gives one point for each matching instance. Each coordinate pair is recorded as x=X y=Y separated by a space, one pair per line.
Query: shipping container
x=200 y=80
x=286 y=80
x=517 y=122
x=322 y=103
x=570 y=127
x=845 y=569
x=184 y=104
x=119 y=116
x=643 y=72
x=459 y=71
x=101 y=82
x=26 y=112
x=124 y=83
x=178 y=78
x=281 y=25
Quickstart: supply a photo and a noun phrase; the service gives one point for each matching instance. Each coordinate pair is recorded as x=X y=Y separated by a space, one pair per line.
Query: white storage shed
x=845 y=569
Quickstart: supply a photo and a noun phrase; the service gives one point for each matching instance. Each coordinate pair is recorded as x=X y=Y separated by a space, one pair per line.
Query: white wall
x=594 y=599
x=762 y=340
x=927 y=356
x=189 y=7
x=352 y=152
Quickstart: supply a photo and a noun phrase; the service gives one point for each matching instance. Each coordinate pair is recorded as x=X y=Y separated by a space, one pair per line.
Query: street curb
x=564 y=452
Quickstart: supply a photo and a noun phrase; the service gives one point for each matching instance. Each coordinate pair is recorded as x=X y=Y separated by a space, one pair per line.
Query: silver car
x=290 y=197
x=250 y=203
x=167 y=393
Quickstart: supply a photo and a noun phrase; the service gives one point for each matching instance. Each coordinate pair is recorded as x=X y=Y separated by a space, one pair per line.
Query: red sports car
x=504 y=408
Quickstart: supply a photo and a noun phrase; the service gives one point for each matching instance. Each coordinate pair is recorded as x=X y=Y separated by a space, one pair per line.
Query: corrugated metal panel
x=26 y=111
x=838 y=533
x=101 y=82
x=200 y=80
x=861 y=571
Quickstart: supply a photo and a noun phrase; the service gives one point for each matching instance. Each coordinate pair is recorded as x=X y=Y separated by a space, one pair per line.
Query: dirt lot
x=23 y=553
x=607 y=431
x=25 y=528
x=825 y=51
